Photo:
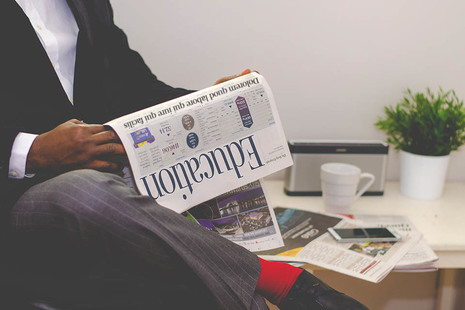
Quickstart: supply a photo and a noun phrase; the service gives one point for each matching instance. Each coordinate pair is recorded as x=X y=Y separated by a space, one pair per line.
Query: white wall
x=332 y=64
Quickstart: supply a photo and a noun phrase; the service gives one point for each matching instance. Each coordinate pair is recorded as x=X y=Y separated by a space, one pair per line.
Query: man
x=74 y=236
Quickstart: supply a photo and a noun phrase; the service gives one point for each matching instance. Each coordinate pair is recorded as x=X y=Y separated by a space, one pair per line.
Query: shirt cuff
x=18 y=158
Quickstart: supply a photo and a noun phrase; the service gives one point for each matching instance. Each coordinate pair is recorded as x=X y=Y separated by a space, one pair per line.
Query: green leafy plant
x=425 y=124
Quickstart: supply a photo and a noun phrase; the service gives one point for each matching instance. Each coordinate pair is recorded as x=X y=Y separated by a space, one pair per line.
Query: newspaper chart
x=191 y=149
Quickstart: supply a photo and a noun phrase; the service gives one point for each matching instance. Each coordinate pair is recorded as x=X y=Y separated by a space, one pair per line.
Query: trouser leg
x=89 y=228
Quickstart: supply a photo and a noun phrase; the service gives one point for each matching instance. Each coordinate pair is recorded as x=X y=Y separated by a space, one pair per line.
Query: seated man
x=74 y=236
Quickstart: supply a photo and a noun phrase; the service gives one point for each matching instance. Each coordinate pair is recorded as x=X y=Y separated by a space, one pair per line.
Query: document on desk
x=193 y=148
x=371 y=261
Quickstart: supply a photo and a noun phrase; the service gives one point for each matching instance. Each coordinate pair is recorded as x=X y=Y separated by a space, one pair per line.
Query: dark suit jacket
x=110 y=80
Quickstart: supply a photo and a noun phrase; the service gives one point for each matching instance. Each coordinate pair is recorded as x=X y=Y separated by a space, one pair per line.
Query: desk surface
x=441 y=221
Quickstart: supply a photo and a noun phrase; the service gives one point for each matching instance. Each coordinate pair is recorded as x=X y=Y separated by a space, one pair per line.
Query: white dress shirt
x=57 y=30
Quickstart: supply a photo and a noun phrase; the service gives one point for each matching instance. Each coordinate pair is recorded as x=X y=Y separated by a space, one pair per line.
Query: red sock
x=276 y=279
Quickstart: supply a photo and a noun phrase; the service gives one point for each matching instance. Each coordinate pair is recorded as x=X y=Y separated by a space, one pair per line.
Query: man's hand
x=76 y=145
x=227 y=78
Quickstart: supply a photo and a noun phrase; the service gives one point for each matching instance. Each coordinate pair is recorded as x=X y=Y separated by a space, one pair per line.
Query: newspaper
x=420 y=258
x=193 y=148
x=243 y=216
x=371 y=261
x=298 y=228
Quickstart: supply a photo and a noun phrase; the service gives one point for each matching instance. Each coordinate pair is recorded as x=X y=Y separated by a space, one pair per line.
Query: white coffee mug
x=339 y=184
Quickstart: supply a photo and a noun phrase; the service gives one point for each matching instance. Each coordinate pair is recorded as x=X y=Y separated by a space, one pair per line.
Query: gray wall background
x=332 y=64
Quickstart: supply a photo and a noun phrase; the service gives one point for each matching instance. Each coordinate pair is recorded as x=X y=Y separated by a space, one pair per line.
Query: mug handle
x=370 y=182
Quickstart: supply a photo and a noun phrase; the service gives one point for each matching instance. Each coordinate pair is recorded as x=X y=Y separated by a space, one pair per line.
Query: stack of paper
x=306 y=240
x=419 y=258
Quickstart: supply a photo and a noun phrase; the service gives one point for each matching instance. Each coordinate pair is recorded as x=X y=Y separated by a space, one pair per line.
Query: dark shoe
x=308 y=292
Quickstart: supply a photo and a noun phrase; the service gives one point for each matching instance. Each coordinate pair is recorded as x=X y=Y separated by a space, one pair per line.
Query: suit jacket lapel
x=23 y=46
x=82 y=18
x=84 y=70
x=27 y=73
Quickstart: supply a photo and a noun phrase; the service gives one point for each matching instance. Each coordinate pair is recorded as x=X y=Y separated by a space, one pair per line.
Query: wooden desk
x=442 y=223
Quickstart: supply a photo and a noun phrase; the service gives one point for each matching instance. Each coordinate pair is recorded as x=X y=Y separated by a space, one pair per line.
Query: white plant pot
x=421 y=176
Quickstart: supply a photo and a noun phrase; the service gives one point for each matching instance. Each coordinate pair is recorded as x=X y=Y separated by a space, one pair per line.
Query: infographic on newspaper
x=193 y=148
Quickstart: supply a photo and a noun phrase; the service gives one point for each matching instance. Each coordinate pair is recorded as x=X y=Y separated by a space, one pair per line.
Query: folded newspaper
x=188 y=150
x=419 y=258
x=306 y=240
x=208 y=149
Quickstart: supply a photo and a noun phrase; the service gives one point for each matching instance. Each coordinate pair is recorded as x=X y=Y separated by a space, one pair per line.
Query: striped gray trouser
x=84 y=240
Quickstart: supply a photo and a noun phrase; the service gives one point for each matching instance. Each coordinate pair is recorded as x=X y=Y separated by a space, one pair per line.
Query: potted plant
x=426 y=128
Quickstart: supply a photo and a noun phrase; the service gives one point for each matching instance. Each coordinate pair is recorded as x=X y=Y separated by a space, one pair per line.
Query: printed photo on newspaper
x=191 y=149
x=243 y=216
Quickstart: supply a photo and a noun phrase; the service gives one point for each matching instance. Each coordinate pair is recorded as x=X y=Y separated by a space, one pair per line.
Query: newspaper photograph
x=193 y=148
x=243 y=216
x=370 y=261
